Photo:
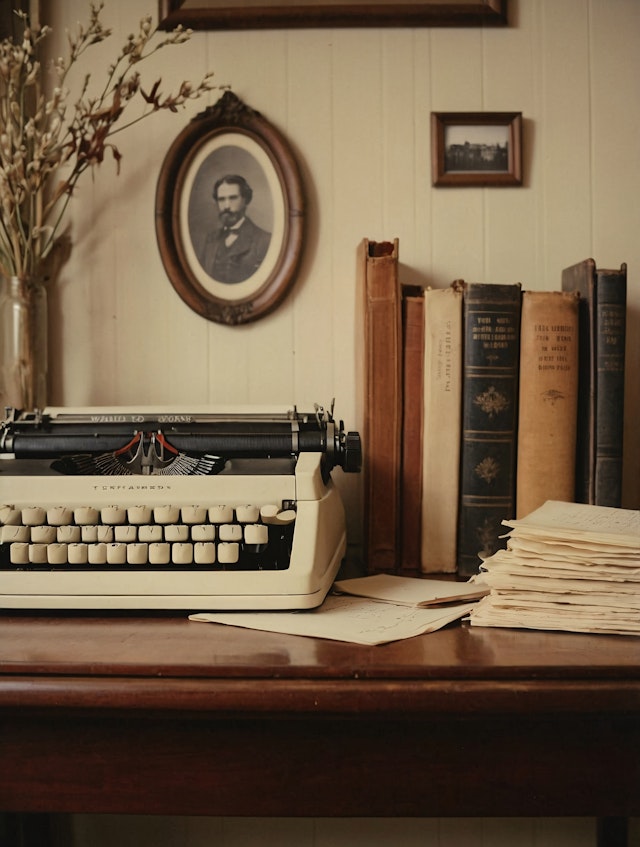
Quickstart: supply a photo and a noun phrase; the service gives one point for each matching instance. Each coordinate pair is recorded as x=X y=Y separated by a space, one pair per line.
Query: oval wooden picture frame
x=229 y=138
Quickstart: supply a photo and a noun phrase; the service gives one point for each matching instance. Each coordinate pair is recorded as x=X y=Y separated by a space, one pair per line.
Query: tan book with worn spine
x=548 y=405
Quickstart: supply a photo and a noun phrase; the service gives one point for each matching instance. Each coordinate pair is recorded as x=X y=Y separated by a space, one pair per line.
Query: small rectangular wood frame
x=476 y=148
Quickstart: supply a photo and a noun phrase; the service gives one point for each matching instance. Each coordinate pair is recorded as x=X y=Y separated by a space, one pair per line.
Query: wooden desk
x=160 y=715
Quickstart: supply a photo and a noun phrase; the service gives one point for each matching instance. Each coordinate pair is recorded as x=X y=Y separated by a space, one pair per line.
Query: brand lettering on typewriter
x=132 y=487
x=141 y=418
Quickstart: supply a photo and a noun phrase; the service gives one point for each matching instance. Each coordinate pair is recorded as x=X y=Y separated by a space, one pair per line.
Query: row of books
x=481 y=402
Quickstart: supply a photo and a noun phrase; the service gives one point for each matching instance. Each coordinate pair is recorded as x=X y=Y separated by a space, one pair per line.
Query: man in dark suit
x=235 y=251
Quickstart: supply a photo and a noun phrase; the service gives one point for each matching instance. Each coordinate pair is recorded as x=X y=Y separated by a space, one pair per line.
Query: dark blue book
x=491 y=357
x=602 y=309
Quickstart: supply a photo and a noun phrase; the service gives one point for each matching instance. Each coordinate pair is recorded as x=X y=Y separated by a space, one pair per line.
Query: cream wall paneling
x=355 y=106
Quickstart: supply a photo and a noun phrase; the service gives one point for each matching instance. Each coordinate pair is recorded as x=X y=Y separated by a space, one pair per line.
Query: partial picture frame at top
x=230 y=214
x=288 y=14
x=476 y=148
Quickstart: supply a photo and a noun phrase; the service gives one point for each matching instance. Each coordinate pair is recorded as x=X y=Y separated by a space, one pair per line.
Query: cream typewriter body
x=140 y=509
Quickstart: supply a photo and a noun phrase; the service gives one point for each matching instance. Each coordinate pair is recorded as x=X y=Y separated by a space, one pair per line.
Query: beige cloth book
x=441 y=428
x=548 y=399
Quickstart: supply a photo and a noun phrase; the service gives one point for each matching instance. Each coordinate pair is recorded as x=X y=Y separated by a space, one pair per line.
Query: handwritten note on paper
x=582 y=522
x=342 y=618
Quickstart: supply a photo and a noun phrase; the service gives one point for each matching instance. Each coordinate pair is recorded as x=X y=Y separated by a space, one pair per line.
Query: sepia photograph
x=476 y=148
x=230 y=214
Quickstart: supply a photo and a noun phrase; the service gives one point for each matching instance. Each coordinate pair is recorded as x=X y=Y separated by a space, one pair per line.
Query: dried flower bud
x=37 y=141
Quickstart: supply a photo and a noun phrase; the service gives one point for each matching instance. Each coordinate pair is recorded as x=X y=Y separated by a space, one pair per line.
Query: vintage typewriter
x=140 y=509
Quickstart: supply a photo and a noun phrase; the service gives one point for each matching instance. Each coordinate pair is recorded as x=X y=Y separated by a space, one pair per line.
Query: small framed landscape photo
x=476 y=148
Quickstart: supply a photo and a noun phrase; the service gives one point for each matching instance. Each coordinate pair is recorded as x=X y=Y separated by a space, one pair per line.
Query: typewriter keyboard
x=160 y=536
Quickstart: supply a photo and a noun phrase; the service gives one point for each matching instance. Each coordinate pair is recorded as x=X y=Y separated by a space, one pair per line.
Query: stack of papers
x=567 y=566
x=367 y=610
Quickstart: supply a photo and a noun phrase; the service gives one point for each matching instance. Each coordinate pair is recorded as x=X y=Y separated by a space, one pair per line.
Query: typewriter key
x=247 y=514
x=44 y=534
x=38 y=554
x=57 y=554
x=86 y=515
x=78 y=554
x=166 y=514
x=59 y=516
x=228 y=553
x=68 y=534
x=203 y=532
x=19 y=553
x=230 y=532
x=182 y=553
x=139 y=514
x=116 y=553
x=220 y=514
x=113 y=515
x=204 y=553
x=97 y=554
x=159 y=553
x=176 y=532
x=34 y=515
x=137 y=554
x=13 y=533
x=193 y=514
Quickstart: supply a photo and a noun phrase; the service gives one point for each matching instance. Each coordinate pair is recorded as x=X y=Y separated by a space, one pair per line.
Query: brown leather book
x=548 y=404
x=382 y=414
x=412 y=418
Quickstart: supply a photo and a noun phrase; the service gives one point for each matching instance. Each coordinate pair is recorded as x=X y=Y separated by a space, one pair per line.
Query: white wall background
x=355 y=106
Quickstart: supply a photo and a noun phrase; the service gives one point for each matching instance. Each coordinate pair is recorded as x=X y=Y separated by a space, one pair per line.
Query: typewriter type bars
x=180 y=511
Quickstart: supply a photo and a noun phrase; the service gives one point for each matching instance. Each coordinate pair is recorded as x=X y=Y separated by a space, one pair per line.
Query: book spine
x=491 y=318
x=412 y=417
x=548 y=399
x=442 y=428
x=581 y=277
x=610 y=336
x=382 y=404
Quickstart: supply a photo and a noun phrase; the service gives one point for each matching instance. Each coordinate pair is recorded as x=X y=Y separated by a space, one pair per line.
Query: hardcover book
x=382 y=424
x=491 y=320
x=548 y=399
x=603 y=303
x=442 y=428
x=412 y=426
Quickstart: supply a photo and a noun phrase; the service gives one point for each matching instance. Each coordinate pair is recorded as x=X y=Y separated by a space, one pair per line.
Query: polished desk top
x=158 y=714
x=175 y=662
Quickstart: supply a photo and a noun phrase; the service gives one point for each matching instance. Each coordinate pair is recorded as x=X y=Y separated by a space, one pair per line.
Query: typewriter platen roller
x=116 y=475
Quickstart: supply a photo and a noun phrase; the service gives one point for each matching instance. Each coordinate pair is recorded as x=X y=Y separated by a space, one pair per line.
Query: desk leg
x=613 y=832
x=25 y=830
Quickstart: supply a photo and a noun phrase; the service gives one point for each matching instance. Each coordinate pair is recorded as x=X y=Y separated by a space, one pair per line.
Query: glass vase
x=23 y=344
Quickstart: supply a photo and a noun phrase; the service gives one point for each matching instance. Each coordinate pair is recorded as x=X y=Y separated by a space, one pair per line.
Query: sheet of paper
x=344 y=618
x=593 y=620
x=580 y=521
x=411 y=591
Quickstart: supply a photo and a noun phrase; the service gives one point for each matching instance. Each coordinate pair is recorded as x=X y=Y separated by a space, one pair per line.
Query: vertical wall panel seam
x=429 y=204
x=540 y=106
x=591 y=121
